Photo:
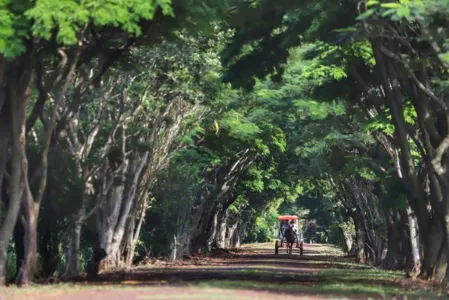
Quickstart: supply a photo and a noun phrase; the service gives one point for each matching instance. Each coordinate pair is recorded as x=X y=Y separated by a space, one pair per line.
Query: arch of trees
x=138 y=128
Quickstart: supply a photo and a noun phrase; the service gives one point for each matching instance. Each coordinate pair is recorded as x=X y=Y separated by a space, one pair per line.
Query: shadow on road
x=259 y=269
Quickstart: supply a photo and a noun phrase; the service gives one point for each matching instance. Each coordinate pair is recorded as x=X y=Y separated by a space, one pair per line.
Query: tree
x=80 y=33
x=399 y=19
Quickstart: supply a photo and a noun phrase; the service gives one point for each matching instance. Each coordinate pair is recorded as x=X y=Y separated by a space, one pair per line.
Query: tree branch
x=52 y=122
x=439 y=152
x=42 y=98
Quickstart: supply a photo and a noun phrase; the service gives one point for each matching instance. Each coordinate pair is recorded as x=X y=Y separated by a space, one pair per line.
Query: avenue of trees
x=140 y=128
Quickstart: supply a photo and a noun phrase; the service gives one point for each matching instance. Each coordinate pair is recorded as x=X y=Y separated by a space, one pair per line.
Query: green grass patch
x=326 y=250
x=267 y=272
x=367 y=274
x=339 y=263
x=328 y=289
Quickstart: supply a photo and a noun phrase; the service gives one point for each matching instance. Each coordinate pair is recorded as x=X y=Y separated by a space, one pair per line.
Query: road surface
x=252 y=272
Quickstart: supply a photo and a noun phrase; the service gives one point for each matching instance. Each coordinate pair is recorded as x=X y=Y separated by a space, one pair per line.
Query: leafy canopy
x=66 y=21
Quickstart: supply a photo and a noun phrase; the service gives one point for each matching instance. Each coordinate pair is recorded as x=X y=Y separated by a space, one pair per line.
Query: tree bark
x=398 y=247
x=19 y=245
x=114 y=213
x=349 y=240
x=133 y=234
x=73 y=265
x=29 y=269
x=222 y=230
x=414 y=240
x=15 y=79
x=359 y=240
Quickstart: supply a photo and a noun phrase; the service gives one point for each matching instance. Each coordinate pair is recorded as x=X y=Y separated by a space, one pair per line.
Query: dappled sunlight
x=251 y=272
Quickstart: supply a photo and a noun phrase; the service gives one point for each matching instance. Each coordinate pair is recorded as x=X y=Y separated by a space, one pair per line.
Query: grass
x=329 y=289
x=370 y=274
x=328 y=250
x=326 y=274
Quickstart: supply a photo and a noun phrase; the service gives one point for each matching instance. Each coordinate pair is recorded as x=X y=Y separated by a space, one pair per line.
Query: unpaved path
x=253 y=272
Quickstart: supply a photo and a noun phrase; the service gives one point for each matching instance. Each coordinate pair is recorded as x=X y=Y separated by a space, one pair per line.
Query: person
x=311 y=231
x=284 y=225
x=293 y=225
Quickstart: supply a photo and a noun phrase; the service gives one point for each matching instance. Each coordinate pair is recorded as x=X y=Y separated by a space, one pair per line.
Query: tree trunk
x=14 y=94
x=220 y=235
x=414 y=240
x=362 y=206
x=232 y=236
x=107 y=225
x=133 y=234
x=359 y=240
x=203 y=231
x=224 y=179
x=212 y=230
x=349 y=240
x=435 y=258
x=397 y=248
x=29 y=269
x=235 y=240
x=113 y=215
x=73 y=265
x=19 y=245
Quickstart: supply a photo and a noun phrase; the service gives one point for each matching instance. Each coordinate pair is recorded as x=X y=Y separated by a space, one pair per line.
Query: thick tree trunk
x=362 y=206
x=107 y=226
x=73 y=265
x=435 y=252
x=398 y=247
x=359 y=240
x=236 y=240
x=191 y=246
x=113 y=215
x=349 y=240
x=19 y=243
x=128 y=244
x=220 y=235
x=232 y=236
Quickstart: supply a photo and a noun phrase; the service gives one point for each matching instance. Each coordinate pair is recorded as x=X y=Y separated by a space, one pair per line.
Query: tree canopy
x=131 y=129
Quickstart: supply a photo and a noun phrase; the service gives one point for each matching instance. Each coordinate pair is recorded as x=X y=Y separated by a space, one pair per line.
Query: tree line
x=164 y=128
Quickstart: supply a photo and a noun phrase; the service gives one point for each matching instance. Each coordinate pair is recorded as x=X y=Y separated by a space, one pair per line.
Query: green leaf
x=391 y=5
x=372 y=2
x=366 y=14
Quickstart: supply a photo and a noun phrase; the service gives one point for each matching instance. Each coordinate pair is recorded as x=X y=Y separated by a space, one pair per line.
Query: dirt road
x=253 y=272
